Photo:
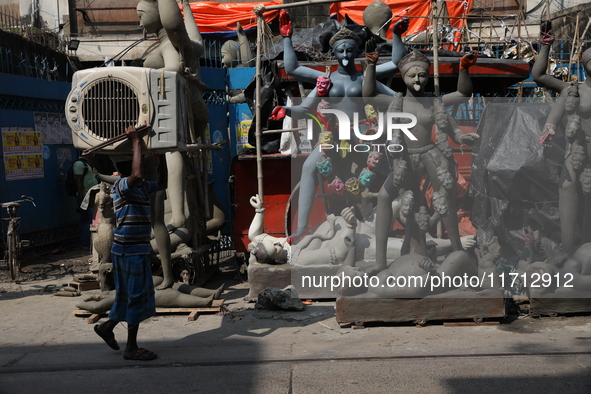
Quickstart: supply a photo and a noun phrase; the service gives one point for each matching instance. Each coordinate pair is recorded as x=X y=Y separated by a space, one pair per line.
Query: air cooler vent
x=109 y=107
x=105 y=101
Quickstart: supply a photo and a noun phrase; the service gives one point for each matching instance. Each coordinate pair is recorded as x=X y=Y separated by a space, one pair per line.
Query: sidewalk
x=45 y=348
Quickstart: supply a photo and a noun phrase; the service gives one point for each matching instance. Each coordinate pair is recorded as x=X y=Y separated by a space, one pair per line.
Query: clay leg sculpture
x=192 y=290
x=171 y=298
x=158 y=225
x=179 y=296
x=384 y=221
x=162 y=238
x=307 y=191
x=586 y=233
x=568 y=206
x=176 y=188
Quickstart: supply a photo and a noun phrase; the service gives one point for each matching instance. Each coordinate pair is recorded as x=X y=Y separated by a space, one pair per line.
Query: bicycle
x=13 y=241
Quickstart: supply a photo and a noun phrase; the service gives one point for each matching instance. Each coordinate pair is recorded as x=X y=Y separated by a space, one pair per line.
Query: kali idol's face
x=416 y=78
x=345 y=51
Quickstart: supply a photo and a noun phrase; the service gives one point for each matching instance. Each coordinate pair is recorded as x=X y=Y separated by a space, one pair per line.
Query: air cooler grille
x=109 y=107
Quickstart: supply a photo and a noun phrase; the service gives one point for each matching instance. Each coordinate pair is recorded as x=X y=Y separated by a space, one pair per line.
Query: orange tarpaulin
x=458 y=9
x=214 y=17
x=354 y=9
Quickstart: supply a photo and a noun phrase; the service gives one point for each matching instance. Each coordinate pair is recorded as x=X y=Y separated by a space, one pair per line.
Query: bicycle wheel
x=13 y=258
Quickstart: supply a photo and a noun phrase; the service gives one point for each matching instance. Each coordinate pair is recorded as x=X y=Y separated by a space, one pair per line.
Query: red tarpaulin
x=354 y=9
x=214 y=17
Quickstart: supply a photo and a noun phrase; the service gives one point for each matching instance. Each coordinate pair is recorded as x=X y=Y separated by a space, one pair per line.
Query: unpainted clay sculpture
x=179 y=49
x=378 y=16
x=324 y=248
x=574 y=204
x=237 y=53
x=562 y=274
x=420 y=156
x=416 y=266
x=338 y=239
x=104 y=235
x=178 y=296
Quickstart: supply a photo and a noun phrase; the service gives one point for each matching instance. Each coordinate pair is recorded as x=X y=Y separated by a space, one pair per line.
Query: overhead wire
x=124 y=51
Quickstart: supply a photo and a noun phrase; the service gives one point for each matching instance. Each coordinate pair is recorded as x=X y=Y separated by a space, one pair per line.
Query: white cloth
x=287 y=143
x=86 y=200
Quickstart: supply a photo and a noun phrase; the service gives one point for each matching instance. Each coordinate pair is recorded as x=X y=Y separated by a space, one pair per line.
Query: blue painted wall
x=20 y=98
x=216 y=79
x=238 y=78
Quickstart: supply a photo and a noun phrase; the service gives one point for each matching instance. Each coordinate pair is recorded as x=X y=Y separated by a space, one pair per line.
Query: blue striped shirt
x=132 y=212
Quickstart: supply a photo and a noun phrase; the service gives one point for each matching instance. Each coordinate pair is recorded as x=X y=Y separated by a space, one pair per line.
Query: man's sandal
x=141 y=355
x=109 y=339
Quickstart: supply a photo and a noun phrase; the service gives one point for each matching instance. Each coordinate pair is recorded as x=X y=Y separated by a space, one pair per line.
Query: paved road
x=44 y=348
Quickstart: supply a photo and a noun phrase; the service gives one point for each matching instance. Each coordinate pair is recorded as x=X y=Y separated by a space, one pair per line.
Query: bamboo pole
x=572 y=48
x=479 y=27
x=299 y=4
x=259 y=10
x=257 y=133
x=282 y=131
x=435 y=49
x=520 y=19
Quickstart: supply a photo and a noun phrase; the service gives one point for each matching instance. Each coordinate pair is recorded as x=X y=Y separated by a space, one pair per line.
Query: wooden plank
x=193 y=316
x=94 y=318
x=84 y=313
x=470 y=323
x=186 y=310
x=554 y=306
x=453 y=305
x=193 y=312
